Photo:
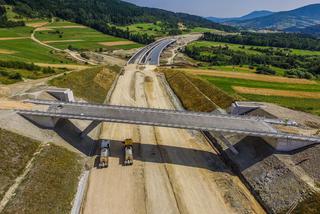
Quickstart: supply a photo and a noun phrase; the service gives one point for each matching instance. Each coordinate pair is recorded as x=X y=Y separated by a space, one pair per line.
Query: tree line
x=295 y=65
x=26 y=66
x=280 y=40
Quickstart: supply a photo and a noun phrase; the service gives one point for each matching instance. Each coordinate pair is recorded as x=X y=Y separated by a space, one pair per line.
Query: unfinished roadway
x=175 y=171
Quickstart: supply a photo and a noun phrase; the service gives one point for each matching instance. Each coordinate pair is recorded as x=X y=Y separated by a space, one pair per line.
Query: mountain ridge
x=302 y=17
x=254 y=14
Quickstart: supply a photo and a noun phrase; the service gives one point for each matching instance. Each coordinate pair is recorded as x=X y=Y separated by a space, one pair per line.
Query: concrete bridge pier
x=90 y=127
x=42 y=121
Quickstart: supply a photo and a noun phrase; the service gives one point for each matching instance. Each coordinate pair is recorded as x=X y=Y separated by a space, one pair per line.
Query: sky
x=223 y=8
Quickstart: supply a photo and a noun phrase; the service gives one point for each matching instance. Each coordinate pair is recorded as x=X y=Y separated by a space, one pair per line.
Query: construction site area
x=239 y=157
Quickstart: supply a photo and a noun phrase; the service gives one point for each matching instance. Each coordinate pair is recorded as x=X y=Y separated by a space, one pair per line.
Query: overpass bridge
x=218 y=123
x=252 y=126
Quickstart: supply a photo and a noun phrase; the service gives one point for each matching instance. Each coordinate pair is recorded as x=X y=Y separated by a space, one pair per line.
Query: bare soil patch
x=4 y=51
x=71 y=26
x=248 y=76
x=37 y=24
x=59 y=41
x=12 y=38
x=273 y=92
x=110 y=44
x=6 y=104
x=43 y=29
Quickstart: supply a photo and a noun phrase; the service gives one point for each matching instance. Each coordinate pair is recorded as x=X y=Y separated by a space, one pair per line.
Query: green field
x=241 y=69
x=246 y=49
x=302 y=104
x=15 y=32
x=204 y=30
x=151 y=29
x=27 y=50
x=84 y=38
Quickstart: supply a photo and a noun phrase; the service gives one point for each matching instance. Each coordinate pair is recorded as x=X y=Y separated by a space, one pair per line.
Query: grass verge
x=310 y=205
x=90 y=84
x=15 y=152
x=51 y=184
x=196 y=94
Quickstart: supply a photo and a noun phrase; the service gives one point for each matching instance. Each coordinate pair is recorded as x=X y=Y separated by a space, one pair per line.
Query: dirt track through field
x=173 y=172
x=273 y=92
x=110 y=44
x=37 y=24
x=4 y=51
x=46 y=28
x=12 y=38
x=61 y=41
x=248 y=76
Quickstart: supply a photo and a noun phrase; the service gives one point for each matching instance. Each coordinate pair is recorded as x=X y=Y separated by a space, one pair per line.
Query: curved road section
x=151 y=54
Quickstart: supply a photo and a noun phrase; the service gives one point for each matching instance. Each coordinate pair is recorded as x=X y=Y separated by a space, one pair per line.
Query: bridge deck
x=160 y=117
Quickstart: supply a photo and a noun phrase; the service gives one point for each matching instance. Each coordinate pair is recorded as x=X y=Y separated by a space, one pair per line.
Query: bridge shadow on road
x=71 y=134
x=150 y=153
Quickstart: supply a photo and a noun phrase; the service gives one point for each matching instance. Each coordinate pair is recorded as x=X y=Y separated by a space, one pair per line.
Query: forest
x=301 y=66
x=280 y=40
x=105 y=15
x=4 y=22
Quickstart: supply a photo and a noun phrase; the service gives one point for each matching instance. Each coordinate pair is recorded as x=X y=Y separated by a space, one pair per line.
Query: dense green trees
x=295 y=65
x=281 y=40
x=25 y=66
x=4 y=22
x=102 y=15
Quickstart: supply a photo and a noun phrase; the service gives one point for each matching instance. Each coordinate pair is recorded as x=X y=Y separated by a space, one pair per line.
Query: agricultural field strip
x=273 y=92
x=248 y=76
x=63 y=36
x=228 y=82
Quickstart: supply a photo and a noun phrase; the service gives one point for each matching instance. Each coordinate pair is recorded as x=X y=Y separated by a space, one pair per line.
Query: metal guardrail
x=191 y=127
x=149 y=110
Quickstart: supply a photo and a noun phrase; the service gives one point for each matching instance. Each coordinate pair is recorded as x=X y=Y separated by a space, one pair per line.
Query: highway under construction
x=175 y=170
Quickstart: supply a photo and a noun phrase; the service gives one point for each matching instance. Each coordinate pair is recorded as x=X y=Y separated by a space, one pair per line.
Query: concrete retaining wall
x=287 y=145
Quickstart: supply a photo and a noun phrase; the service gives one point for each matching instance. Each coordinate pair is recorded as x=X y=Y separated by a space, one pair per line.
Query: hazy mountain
x=299 y=18
x=314 y=30
x=117 y=12
x=252 y=15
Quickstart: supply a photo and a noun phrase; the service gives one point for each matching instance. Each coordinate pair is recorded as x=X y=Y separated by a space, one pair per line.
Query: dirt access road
x=175 y=171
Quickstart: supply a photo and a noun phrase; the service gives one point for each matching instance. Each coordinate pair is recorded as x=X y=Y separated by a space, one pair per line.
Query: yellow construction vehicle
x=128 y=152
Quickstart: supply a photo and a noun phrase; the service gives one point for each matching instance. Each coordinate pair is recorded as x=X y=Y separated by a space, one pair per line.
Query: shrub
x=265 y=70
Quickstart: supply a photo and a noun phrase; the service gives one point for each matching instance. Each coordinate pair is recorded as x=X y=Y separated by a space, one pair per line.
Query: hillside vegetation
x=51 y=184
x=196 y=94
x=224 y=50
x=286 y=20
x=15 y=152
x=90 y=84
x=97 y=13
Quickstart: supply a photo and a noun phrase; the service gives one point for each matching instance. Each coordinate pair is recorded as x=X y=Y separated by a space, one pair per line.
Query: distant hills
x=305 y=20
x=96 y=12
x=252 y=15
